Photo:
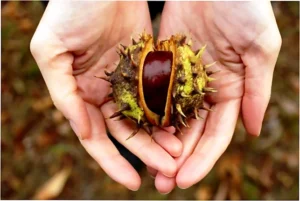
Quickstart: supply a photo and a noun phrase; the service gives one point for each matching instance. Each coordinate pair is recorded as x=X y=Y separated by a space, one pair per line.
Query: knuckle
x=278 y=41
x=34 y=44
x=37 y=44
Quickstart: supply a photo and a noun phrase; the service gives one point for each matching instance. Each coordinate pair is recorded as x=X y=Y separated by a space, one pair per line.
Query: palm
x=71 y=48
x=95 y=50
x=232 y=34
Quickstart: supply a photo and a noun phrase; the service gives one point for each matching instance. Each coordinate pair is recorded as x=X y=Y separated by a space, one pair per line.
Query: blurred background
x=43 y=159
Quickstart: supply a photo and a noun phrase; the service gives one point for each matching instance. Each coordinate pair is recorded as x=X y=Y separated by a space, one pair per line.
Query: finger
x=170 y=129
x=164 y=184
x=55 y=64
x=189 y=141
x=167 y=141
x=216 y=137
x=260 y=62
x=141 y=144
x=151 y=171
x=100 y=147
x=171 y=25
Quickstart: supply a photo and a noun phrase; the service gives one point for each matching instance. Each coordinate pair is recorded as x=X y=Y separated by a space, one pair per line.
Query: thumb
x=55 y=63
x=260 y=61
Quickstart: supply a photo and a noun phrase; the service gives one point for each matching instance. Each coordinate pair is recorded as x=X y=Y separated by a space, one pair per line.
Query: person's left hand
x=244 y=40
x=73 y=43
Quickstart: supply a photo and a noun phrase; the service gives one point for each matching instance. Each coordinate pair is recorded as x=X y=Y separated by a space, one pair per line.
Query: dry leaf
x=204 y=192
x=252 y=172
x=229 y=169
x=285 y=179
x=42 y=104
x=266 y=173
x=294 y=81
x=234 y=194
x=5 y=116
x=53 y=187
x=57 y=116
x=222 y=191
x=46 y=139
x=25 y=24
x=10 y=9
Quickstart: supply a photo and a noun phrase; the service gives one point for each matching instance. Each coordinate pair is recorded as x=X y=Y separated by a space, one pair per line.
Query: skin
x=73 y=43
x=243 y=38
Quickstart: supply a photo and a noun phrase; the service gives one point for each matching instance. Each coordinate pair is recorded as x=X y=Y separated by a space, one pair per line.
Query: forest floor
x=40 y=151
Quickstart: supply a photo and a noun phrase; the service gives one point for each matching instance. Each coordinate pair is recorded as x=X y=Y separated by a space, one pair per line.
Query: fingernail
x=133 y=189
x=164 y=193
x=183 y=188
x=74 y=128
x=168 y=175
x=259 y=132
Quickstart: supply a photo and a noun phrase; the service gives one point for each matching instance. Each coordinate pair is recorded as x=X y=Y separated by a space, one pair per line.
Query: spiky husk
x=188 y=82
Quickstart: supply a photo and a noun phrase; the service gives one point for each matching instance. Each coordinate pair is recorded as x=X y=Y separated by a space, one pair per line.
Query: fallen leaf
x=42 y=104
x=54 y=186
x=285 y=179
x=204 y=192
x=5 y=116
x=57 y=116
x=289 y=106
x=112 y=187
x=10 y=9
x=266 y=173
x=25 y=24
x=222 y=191
x=252 y=172
x=294 y=81
x=64 y=129
x=46 y=139
x=292 y=160
x=234 y=194
x=229 y=168
x=19 y=86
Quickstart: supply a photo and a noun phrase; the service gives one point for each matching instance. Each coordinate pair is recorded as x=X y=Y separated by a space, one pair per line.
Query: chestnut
x=156 y=80
x=160 y=84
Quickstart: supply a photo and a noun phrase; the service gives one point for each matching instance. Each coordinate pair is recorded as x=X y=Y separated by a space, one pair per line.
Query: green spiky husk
x=189 y=82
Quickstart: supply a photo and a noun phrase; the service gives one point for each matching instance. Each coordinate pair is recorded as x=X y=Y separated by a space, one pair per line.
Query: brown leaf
x=204 y=192
x=25 y=25
x=234 y=194
x=10 y=9
x=252 y=172
x=222 y=191
x=294 y=81
x=229 y=168
x=266 y=173
x=57 y=116
x=42 y=104
x=289 y=106
x=285 y=179
x=46 y=139
x=54 y=186
x=5 y=116
x=13 y=10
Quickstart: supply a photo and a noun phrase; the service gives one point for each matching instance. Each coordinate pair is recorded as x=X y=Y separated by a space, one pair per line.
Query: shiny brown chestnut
x=160 y=84
x=156 y=74
x=156 y=80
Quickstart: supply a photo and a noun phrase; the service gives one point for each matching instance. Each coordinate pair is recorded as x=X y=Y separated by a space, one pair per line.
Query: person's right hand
x=244 y=39
x=74 y=42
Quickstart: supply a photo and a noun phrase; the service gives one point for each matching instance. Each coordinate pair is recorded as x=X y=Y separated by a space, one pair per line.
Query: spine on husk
x=188 y=79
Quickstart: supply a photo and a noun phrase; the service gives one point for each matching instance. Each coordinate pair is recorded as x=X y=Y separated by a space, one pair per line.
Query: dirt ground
x=39 y=151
